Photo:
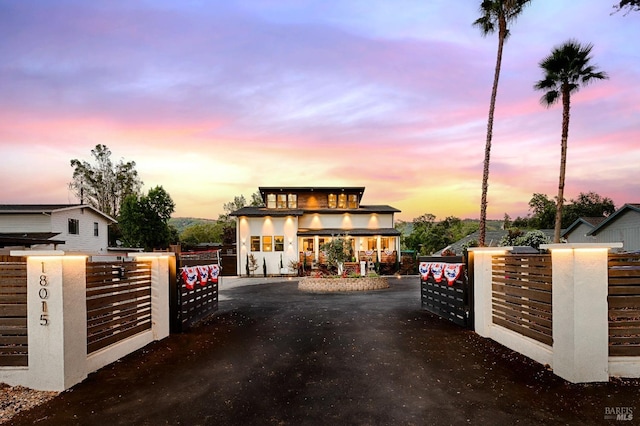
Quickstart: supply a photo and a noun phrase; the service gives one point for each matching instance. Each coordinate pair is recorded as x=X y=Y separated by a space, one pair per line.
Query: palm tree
x=495 y=14
x=566 y=69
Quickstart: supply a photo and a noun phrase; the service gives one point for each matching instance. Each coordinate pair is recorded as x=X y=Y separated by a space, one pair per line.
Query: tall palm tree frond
x=566 y=70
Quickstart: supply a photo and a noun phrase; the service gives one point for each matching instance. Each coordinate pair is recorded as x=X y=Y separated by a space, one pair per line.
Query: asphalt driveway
x=274 y=355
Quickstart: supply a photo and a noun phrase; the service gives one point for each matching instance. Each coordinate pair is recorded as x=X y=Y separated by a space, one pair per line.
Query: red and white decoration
x=424 y=269
x=437 y=270
x=452 y=272
x=214 y=271
x=190 y=276
x=203 y=271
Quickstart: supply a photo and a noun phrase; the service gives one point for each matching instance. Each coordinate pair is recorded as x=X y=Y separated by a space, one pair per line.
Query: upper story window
x=342 y=201
x=96 y=229
x=353 y=201
x=271 y=201
x=292 y=202
x=74 y=226
x=282 y=201
x=332 y=201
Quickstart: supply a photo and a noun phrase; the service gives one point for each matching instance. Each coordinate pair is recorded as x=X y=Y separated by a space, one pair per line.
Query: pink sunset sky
x=212 y=99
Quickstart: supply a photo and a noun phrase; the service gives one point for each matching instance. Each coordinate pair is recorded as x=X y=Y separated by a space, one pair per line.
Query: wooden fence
x=14 y=349
x=521 y=295
x=118 y=302
x=624 y=305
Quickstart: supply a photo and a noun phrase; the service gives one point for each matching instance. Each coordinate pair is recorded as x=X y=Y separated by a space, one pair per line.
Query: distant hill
x=181 y=223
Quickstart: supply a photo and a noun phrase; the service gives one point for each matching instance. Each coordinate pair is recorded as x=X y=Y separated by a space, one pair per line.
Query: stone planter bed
x=331 y=285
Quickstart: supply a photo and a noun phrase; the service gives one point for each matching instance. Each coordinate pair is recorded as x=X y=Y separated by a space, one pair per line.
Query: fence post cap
x=27 y=253
x=490 y=249
x=577 y=246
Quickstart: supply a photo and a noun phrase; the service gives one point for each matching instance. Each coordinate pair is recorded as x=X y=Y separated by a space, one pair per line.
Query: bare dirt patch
x=14 y=399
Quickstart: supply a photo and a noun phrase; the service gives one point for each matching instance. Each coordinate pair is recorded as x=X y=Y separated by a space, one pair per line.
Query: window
x=278 y=242
x=293 y=201
x=372 y=243
x=267 y=244
x=271 y=201
x=307 y=244
x=353 y=201
x=74 y=226
x=255 y=243
x=387 y=243
x=332 y=201
x=342 y=201
x=96 y=229
x=282 y=201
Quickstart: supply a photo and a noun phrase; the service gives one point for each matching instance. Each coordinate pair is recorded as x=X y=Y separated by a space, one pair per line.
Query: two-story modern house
x=297 y=221
x=74 y=228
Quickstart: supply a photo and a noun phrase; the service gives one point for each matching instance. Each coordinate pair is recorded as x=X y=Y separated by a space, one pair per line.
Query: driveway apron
x=275 y=355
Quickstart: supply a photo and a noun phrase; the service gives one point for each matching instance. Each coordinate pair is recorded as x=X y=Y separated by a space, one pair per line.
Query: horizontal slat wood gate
x=118 y=302
x=191 y=305
x=624 y=305
x=521 y=294
x=13 y=312
x=447 y=298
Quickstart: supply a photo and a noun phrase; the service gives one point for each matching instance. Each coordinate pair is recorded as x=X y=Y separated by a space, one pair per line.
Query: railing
x=624 y=305
x=118 y=302
x=521 y=295
x=14 y=350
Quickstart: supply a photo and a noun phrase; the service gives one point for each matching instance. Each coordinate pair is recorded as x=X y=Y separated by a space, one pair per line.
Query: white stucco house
x=74 y=228
x=296 y=221
x=623 y=225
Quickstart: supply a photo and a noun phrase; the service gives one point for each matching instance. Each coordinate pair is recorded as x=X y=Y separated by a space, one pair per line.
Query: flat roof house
x=296 y=221
x=70 y=227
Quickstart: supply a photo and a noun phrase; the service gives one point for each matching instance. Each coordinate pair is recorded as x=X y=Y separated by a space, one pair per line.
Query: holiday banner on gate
x=424 y=269
x=214 y=271
x=190 y=276
x=450 y=271
x=202 y=273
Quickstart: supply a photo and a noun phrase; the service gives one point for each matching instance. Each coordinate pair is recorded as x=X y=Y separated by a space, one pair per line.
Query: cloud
x=214 y=101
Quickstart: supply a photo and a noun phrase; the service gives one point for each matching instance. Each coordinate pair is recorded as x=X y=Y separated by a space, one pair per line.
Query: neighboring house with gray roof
x=578 y=231
x=74 y=228
x=492 y=239
x=296 y=221
x=623 y=226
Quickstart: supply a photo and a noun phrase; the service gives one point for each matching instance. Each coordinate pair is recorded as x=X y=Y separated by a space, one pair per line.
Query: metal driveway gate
x=445 y=289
